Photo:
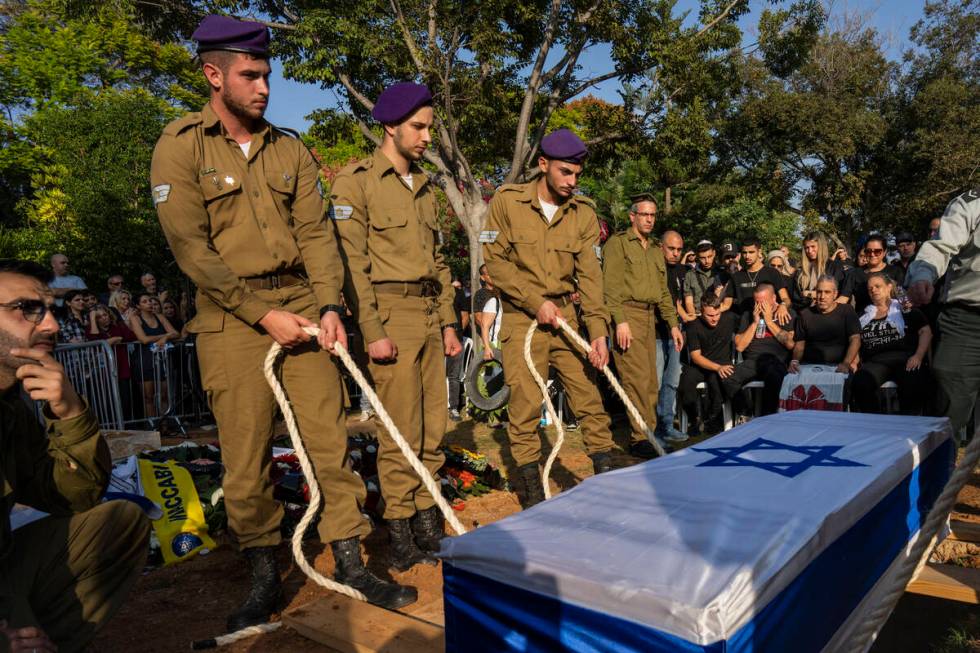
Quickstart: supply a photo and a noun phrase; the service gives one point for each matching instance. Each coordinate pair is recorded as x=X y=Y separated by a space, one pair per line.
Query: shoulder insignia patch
x=487 y=237
x=598 y=251
x=971 y=195
x=341 y=212
x=181 y=124
x=161 y=193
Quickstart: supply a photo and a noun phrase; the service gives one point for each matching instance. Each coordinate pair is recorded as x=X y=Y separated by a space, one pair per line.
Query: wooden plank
x=948 y=582
x=351 y=626
x=964 y=531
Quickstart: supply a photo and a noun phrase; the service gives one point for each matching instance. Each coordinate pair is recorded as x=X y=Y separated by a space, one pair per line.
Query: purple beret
x=224 y=33
x=564 y=145
x=399 y=101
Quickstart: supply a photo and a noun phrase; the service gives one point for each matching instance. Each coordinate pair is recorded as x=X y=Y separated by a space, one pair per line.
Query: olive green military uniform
x=67 y=573
x=398 y=287
x=531 y=261
x=250 y=232
x=635 y=281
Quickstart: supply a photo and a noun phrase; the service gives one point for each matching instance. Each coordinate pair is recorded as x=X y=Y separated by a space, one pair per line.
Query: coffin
x=773 y=536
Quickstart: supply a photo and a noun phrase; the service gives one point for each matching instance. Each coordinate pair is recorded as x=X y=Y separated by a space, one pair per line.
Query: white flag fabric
x=814 y=387
x=767 y=537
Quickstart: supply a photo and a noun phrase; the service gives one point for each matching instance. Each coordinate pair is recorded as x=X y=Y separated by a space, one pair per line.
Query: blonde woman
x=816 y=262
x=122 y=302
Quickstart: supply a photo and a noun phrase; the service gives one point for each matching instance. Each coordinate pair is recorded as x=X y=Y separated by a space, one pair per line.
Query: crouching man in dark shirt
x=765 y=347
x=63 y=576
x=709 y=340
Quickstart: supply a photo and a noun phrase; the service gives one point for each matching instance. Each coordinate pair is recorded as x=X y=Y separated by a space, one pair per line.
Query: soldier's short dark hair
x=222 y=59
x=26 y=268
x=752 y=241
x=710 y=299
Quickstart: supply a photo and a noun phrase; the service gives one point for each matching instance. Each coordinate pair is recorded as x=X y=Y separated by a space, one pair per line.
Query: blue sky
x=292 y=102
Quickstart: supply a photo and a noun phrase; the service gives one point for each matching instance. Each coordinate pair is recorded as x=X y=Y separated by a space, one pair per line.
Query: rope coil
x=549 y=407
x=271 y=360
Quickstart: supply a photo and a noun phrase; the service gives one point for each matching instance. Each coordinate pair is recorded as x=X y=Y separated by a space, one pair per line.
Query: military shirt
x=62 y=469
x=632 y=273
x=531 y=260
x=956 y=252
x=388 y=232
x=228 y=217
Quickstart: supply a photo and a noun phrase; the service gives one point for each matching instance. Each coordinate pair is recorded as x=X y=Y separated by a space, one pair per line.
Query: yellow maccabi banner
x=182 y=530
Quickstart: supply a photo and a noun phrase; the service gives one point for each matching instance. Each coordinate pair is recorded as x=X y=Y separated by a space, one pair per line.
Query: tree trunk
x=667 y=207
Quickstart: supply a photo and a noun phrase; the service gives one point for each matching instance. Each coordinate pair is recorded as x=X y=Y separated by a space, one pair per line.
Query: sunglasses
x=874 y=252
x=33 y=310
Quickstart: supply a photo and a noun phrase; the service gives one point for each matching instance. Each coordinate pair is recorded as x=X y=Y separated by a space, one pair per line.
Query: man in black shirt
x=709 y=340
x=765 y=347
x=828 y=333
x=754 y=271
x=454 y=364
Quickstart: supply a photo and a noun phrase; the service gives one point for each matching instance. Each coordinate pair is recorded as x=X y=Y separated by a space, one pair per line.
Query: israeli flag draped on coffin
x=770 y=537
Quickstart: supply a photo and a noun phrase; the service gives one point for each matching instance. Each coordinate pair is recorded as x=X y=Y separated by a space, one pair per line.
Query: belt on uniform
x=408 y=288
x=643 y=305
x=277 y=280
x=560 y=300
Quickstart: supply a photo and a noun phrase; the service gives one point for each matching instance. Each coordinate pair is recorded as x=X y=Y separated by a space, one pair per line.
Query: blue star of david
x=816 y=456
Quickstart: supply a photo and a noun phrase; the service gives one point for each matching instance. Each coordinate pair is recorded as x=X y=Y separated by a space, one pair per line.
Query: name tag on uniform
x=341 y=212
x=487 y=237
x=161 y=194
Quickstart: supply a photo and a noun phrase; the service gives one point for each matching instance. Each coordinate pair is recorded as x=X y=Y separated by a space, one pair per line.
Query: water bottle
x=903 y=300
x=760 y=329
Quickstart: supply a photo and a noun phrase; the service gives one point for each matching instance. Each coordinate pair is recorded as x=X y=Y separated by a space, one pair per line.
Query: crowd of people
x=138 y=327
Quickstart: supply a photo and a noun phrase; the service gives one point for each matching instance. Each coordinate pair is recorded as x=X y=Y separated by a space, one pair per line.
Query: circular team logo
x=184 y=543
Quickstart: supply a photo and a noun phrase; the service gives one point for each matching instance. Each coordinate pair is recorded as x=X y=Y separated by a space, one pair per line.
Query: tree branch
x=534 y=81
x=413 y=47
x=717 y=19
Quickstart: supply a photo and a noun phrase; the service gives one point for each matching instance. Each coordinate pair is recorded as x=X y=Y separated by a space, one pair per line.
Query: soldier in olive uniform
x=400 y=292
x=63 y=576
x=635 y=282
x=540 y=246
x=240 y=204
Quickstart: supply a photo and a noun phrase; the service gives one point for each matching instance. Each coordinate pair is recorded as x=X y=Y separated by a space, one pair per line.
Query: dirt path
x=170 y=607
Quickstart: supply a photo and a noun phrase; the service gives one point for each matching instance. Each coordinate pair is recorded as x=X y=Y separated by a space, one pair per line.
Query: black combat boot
x=533 y=490
x=428 y=528
x=405 y=554
x=602 y=462
x=350 y=570
x=266 y=594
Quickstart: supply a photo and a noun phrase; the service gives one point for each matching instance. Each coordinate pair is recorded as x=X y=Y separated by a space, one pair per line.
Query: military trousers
x=637 y=368
x=413 y=391
x=957 y=361
x=549 y=347
x=69 y=575
x=232 y=353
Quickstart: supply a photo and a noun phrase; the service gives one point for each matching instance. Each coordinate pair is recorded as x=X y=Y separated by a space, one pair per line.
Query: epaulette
x=509 y=188
x=585 y=200
x=287 y=131
x=182 y=124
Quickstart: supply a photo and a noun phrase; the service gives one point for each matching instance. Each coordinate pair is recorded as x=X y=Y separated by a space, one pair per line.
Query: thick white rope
x=587 y=348
x=238 y=635
x=917 y=558
x=304 y=462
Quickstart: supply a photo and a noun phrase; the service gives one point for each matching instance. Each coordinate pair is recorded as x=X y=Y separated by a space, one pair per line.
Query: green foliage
x=92 y=196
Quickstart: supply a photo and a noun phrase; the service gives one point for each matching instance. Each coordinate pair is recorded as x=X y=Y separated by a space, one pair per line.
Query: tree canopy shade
x=499 y=70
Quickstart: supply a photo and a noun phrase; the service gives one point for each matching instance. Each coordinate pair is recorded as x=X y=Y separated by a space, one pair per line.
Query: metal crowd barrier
x=143 y=387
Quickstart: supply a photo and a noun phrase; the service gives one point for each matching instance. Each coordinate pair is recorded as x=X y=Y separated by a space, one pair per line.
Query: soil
x=172 y=606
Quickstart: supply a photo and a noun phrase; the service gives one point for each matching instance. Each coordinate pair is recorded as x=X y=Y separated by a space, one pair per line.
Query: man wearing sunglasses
x=62 y=576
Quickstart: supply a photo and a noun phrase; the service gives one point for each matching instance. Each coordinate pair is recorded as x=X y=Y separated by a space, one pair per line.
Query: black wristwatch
x=336 y=308
x=451 y=325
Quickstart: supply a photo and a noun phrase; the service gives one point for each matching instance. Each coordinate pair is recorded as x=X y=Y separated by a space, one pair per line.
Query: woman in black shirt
x=816 y=262
x=893 y=348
